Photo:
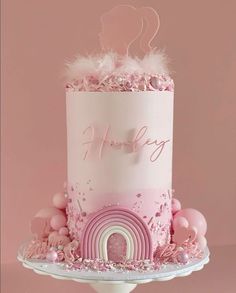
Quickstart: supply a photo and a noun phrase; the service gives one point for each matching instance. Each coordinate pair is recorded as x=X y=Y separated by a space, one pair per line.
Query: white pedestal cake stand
x=113 y=282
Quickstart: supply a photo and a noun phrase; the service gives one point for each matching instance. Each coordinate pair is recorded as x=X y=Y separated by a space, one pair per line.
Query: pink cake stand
x=114 y=282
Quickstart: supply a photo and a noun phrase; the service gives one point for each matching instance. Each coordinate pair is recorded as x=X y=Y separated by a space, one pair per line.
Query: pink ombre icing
x=155 y=217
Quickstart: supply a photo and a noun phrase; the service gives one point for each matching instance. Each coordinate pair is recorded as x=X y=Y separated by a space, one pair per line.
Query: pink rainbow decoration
x=112 y=220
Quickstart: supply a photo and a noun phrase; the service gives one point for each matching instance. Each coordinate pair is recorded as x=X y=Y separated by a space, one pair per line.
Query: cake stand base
x=115 y=282
x=113 y=288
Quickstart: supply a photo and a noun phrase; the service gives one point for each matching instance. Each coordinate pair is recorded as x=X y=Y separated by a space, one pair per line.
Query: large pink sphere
x=195 y=219
x=59 y=200
x=179 y=222
x=48 y=212
x=58 y=221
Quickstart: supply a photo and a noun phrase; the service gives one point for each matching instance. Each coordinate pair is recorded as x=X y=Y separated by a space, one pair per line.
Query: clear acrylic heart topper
x=124 y=24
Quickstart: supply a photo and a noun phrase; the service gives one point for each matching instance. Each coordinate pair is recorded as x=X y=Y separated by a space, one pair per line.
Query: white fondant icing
x=125 y=113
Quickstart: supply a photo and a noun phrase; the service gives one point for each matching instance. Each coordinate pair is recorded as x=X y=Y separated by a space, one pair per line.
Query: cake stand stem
x=113 y=288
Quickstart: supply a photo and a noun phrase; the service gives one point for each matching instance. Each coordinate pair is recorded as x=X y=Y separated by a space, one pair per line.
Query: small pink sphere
x=179 y=222
x=58 y=221
x=63 y=231
x=182 y=257
x=195 y=219
x=59 y=200
x=202 y=242
x=175 y=205
x=52 y=256
x=48 y=212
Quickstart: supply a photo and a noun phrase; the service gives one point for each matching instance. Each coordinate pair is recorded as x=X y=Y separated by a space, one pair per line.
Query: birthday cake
x=117 y=209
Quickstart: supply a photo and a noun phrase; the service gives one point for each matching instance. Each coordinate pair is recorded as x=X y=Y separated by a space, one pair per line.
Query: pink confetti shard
x=123 y=83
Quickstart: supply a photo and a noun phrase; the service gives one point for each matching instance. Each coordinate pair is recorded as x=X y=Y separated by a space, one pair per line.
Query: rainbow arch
x=112 y=220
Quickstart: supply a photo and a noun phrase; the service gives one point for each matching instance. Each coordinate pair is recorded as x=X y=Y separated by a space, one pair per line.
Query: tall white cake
x=120 y=156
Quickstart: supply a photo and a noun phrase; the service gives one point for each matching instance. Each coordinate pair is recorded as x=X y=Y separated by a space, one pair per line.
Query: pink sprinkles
x=122 y=83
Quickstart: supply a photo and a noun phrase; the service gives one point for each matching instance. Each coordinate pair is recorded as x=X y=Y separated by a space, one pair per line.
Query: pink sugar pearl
x=175 y=205
x=59 y=200
x=51 y=256
x=58 y=221
x=63 y=231
x=195 y=219
x=179 y=222
x=183 y=257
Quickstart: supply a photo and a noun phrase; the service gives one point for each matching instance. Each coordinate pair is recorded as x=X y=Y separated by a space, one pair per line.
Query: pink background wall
x=38 y=36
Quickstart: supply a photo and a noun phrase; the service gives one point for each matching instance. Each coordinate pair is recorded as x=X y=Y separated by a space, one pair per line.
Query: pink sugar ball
x=201 y=241
x=59 y=200
x=63 y=231
x=48 y=212
x=195 y=219
x=179 y=222
x=183 y=257
x=175 y=205
x=58 y=221
x=52 y=256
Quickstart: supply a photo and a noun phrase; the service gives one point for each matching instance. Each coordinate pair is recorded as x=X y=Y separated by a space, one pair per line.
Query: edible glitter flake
x=122 y=83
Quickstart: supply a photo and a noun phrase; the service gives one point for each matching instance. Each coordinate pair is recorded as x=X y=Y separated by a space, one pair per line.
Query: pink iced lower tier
x=102 y=221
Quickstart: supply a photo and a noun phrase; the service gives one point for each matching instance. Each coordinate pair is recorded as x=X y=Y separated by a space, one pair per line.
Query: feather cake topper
x=114 y=69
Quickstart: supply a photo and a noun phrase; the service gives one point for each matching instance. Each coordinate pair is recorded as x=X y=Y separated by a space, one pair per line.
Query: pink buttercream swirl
x=135 y=82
